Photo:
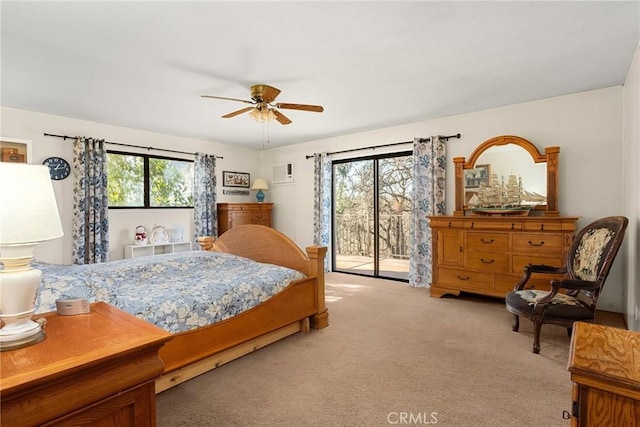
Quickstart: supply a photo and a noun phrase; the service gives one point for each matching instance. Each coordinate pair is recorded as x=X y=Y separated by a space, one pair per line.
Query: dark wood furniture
x=605 y=370
x=586 y=267
x=234 y=214
x=486 y=255
x=91 y=369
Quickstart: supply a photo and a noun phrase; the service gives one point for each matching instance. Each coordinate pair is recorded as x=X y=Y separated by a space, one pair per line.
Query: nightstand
x=91 y=369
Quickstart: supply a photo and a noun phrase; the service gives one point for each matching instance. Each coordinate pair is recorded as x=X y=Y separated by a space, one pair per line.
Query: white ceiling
x=370 y=64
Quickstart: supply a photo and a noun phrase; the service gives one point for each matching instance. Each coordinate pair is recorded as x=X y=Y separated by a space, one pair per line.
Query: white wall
x=31 y=126
x=586 y=126
x=631 y=156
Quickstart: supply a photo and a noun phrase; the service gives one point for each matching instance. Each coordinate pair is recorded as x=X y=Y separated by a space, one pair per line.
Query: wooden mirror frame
x=550 y=156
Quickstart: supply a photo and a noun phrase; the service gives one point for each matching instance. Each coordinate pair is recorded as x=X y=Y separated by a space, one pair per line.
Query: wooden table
x=605 y=369
x=91 y=369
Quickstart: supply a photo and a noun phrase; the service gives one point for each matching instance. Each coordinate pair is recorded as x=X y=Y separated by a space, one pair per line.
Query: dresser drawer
x=487 y=261
x=538 y=244
x=546 y=226
x=502 y=225
x=262 y=218
x=494 y=242
x=464 y=279
x=446 y=222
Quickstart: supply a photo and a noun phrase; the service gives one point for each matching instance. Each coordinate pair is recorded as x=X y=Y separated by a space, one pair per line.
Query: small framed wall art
x=15 y=150
x=235 y=179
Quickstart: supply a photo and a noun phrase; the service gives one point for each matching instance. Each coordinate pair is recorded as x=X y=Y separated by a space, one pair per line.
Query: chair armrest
x=547 y=269
x=531 y=268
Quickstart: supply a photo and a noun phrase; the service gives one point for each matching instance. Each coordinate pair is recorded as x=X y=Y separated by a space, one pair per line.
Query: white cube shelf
x=135 y=251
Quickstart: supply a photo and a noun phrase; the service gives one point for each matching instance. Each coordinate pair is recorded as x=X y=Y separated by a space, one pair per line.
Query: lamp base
x=22 y=334
x=260 y=196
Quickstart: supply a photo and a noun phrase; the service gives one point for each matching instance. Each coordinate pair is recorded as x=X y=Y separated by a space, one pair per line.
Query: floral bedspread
x=177 y=292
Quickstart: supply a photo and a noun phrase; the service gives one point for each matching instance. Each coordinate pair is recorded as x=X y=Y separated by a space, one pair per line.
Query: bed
x=255 y=304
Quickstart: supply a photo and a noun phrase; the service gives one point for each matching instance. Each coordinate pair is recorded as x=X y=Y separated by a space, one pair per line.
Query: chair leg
x=516 y=323
x=537 y=325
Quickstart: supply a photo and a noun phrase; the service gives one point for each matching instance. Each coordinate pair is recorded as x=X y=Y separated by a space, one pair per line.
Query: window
x=143 y=181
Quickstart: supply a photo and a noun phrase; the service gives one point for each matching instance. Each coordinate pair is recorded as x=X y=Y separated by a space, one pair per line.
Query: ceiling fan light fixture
x=262 y=115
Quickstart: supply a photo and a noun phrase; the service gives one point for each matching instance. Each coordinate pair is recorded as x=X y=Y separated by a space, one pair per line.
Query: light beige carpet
x=392 y=355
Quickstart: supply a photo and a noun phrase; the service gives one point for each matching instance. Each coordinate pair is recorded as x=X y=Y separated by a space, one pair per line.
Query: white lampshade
x=28 y=212
x=28 y=215
x=260 y=184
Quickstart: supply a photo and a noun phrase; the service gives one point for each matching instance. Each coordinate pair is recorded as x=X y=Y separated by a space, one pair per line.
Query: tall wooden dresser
x=234 y=214
x=605 y=369
x=94 y=369
x=487 y=255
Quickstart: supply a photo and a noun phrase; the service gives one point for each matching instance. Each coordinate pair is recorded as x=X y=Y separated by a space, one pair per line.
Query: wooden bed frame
x=298 y=307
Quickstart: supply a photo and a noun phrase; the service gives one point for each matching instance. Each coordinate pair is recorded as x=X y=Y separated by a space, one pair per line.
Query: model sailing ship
x=500 y=198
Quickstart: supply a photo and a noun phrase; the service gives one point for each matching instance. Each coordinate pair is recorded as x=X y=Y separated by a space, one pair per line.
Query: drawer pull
x=449 y=224
x=541 y=227
x=258 y=216
x=488 y=242
x=485 y=261
x=513 y=226
x=536 y=244
x=472 y=224
x=463 y=278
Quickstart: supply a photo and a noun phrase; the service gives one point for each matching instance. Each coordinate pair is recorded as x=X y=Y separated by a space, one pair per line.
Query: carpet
x=392 y=355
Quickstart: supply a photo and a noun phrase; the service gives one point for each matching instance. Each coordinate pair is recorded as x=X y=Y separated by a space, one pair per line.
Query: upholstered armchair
x=574 y=295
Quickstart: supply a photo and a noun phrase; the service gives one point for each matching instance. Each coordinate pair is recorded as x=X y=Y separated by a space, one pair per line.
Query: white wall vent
x=282 y=173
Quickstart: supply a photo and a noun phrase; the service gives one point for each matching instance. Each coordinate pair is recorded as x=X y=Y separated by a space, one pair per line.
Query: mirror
x=507 y=175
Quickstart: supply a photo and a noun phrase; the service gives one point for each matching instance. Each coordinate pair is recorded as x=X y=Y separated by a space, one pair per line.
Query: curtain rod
x=446 y=138
x=65 y=137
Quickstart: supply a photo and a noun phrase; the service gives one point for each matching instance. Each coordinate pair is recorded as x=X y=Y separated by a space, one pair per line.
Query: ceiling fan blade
x=264 y=92
x=228 y=99
x=316 y=108
x=235 y=113
x=284 y=120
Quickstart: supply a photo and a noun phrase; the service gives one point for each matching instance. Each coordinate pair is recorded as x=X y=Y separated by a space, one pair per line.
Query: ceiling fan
x=262 y=97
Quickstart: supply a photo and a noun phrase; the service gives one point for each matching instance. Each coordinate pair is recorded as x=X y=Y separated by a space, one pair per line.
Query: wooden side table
x=605 y=369
x=91 y=369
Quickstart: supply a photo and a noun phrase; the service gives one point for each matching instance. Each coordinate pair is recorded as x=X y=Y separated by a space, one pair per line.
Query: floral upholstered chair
x=586 y=268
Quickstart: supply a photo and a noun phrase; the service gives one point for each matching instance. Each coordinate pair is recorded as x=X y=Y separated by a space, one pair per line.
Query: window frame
x=147 y=180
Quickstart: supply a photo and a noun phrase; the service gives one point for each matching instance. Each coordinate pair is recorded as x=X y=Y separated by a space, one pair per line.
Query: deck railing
x=354 y=235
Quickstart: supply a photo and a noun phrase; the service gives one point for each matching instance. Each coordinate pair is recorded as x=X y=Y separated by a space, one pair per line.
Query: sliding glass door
x=372 y=204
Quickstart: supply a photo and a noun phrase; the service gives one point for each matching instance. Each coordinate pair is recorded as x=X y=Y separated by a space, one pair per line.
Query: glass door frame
x=376 y=214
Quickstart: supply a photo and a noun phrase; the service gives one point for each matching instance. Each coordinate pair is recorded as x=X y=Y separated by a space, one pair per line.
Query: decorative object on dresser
x=234 y=214
x=587 y=266
x=29 y=215
x=141 y=235
x=95 y=369
x=159 y=235
x=260 y=184
x=605 y=370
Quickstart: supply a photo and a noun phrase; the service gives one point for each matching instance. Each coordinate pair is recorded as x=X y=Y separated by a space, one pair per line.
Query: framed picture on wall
x=235 y=179
x=15 y=150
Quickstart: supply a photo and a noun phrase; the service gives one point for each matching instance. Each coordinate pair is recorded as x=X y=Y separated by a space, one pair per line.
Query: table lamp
x=28 y=215
x=260 y=184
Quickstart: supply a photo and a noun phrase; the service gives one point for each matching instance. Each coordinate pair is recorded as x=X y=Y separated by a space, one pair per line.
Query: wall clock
x=59 y=168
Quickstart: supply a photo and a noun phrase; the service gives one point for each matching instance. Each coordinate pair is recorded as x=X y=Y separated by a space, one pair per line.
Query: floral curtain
x=429 y=167
x=90 y=228
x=322 y=203
x=205 y=217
